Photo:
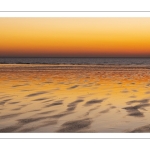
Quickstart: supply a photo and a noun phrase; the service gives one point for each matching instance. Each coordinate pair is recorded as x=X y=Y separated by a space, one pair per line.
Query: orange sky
x=74 y=37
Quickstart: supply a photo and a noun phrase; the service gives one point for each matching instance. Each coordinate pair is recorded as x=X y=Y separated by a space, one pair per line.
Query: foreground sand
x=46 y=98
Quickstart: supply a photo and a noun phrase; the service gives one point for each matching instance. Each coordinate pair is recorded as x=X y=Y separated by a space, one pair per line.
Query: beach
x=43 y=98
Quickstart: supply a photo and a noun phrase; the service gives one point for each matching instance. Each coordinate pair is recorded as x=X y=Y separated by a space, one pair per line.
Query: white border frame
x=74 y=14
x=74 y=136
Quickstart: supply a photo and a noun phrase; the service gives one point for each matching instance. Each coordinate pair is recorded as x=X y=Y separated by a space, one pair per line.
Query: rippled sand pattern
x=46 y=98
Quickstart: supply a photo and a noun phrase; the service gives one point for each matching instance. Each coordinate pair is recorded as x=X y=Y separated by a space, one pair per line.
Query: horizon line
x=80 y=57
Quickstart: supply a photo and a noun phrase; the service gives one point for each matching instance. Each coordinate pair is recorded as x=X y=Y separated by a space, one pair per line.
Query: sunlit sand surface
x=74 y=98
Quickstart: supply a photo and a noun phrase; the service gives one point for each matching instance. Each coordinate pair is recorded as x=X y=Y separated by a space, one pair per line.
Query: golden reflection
x=46 y=100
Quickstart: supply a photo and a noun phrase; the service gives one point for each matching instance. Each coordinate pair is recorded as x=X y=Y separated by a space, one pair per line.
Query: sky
x=74 y=37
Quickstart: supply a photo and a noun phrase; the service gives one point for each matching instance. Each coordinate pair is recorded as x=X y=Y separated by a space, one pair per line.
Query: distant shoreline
x=77 y=61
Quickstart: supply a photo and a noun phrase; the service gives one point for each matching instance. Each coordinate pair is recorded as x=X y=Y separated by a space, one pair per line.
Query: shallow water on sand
x=74 y=98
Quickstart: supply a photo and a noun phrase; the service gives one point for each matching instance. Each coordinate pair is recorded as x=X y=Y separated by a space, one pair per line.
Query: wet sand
x=74 y=98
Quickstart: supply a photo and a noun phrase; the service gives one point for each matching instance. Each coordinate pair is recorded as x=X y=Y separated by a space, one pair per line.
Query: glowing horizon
x=75 y=37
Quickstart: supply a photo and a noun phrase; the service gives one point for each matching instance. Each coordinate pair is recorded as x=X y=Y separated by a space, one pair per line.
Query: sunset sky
x=74 y=37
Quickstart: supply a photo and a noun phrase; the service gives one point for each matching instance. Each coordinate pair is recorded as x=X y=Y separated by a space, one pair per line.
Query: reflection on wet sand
x=61 y=98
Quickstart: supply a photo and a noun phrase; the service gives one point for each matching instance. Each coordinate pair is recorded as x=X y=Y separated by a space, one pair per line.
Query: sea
x=76 y=61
